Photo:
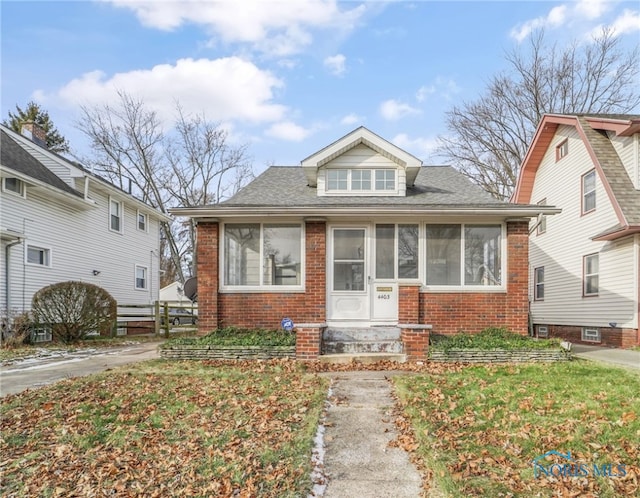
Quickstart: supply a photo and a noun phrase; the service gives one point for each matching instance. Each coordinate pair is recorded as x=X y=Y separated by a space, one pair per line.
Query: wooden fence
x=156 y=318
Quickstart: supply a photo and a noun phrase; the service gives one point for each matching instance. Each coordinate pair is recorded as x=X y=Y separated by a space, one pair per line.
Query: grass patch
x=165 y=429
x=492 y=338
x=480 y=427
x=234 y=336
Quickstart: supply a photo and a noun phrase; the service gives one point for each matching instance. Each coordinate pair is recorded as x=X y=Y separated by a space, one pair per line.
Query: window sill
x=463 y=290
x=262 y=290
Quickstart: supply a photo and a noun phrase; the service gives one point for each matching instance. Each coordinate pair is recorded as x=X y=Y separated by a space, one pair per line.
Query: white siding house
x=60 y=222
x=585 y=262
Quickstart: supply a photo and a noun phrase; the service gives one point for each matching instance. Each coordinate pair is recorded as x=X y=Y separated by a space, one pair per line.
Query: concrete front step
x=356 y=347
x=344 y=358
x=336 y=334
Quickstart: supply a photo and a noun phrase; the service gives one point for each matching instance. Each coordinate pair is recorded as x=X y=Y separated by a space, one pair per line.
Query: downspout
x=6 y=272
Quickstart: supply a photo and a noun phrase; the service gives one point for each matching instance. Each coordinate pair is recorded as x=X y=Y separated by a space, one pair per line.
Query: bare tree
x=489 y=137
x=192 y=164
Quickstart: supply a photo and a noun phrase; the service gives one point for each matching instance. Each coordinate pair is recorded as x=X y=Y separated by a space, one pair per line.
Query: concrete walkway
x=614 y=356
x=359 y=426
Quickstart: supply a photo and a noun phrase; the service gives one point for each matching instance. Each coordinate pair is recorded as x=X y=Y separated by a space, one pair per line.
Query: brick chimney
x=34 y=132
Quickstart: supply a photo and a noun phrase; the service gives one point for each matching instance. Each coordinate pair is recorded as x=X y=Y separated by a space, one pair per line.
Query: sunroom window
x=262 y=255
x=474 y=251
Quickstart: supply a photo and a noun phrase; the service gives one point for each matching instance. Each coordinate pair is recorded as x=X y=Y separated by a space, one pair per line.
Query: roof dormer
x=361 y=164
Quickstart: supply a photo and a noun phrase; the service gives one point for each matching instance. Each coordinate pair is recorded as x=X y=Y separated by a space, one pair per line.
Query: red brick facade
x=260 y=309
x=610 y=337
x=448 y=313
x=470 y=312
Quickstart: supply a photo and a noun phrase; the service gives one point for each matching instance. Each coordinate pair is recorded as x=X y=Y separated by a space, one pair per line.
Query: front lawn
x=165 y=429
x=479 y=428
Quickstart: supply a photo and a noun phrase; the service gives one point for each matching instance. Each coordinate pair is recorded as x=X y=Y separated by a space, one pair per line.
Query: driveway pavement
x=614 y=356
x=38 y=372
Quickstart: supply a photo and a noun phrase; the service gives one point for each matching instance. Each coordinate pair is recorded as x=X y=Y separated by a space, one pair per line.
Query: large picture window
x=443 y=254
x=469 y=255
x=262 y=255
x=482 y=255
x=396 y=251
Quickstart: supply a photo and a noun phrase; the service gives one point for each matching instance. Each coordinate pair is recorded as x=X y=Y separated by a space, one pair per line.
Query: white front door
x=349 y=283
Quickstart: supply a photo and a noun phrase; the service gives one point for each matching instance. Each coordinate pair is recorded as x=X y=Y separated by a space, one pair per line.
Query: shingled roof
x=616 y=176
x=13 y=156
x=434 y=186
x=593 y=129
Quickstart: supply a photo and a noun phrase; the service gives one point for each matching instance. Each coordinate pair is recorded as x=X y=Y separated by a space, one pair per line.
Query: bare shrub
x=16 y=330
x=74 y=309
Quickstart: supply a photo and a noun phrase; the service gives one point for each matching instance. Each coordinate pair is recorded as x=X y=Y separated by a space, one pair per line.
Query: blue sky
x=287 y=78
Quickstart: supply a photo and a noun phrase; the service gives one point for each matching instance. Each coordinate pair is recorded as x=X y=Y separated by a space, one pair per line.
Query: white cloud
x=277 y=28
x=592 y=9
x=351 y=119
x=336 y=64
x=555 y=18
x=224 y=89
x=628 y=22
x=443 y=87
x=288 y=130
x=393 y=110
x=421 y=147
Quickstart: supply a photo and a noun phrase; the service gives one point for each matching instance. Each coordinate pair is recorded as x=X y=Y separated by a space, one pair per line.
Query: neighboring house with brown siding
x=585 y=262
x=363 y=235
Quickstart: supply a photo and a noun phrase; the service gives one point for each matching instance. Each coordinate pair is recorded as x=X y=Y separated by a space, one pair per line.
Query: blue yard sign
x=287 y=324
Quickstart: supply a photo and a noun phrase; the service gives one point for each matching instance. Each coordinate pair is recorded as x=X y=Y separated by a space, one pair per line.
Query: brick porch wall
x=260 y=309
x=610 y=337
x=207 y=273
x=470 y=312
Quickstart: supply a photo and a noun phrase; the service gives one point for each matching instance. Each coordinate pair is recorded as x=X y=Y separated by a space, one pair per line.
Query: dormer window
x=360 y=180
x=337 y=179
x=385 y=179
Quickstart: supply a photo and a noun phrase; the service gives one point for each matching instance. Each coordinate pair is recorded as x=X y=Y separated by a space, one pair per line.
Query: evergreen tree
x=55 y=141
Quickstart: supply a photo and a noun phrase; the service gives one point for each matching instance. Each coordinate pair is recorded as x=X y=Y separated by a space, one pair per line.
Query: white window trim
x=463 y=287
x=588 y=333
x=562 y=149
x=585 y=275
x=542 y=225
x=22 y=194
x=112 y=200
x=396 y=253
x=537 y=283
x=146 y=280
x=38 y=246
x=272 y=289
x=583 y=211
x=371 y=192
x=146 y=222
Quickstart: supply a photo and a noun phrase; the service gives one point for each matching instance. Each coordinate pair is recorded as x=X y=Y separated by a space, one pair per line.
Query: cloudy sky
x=285 y=77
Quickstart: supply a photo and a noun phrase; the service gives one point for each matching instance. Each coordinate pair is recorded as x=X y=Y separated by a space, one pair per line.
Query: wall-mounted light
x=613 y=324
x=96 y=273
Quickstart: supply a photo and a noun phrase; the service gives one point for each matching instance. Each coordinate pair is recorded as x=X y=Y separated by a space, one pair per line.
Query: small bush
x=16 y=331
x=491 y=338
x=235 y=336
x=74 y=309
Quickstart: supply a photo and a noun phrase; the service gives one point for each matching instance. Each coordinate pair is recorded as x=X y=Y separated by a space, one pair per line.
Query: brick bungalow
x=361 y=234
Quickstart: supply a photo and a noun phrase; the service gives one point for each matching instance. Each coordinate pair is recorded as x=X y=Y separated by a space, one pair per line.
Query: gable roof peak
x=364 y=136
